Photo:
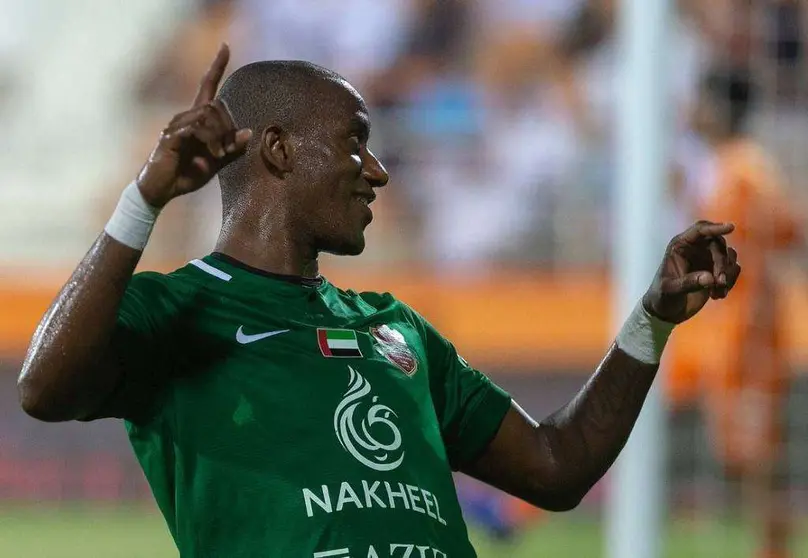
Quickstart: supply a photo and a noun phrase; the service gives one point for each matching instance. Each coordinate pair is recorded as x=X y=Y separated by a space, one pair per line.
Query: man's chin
x=353 y=247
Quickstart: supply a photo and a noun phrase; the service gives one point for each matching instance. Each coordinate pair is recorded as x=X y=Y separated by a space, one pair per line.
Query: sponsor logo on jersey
x=365 y=428
x=371 y=495
x=391 y=344
x=246 y=339
x=392 y=550
x=338 y=343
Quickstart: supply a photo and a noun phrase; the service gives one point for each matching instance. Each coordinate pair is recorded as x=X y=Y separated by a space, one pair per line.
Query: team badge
x=392 y=346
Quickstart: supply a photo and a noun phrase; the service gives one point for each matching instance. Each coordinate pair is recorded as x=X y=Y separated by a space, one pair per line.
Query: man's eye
x=356 y=143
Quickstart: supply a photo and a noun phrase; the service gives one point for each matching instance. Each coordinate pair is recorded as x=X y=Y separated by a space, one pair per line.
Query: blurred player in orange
x=745 y=384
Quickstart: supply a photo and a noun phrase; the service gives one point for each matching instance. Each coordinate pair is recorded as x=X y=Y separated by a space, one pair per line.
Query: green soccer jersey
x=276 y=418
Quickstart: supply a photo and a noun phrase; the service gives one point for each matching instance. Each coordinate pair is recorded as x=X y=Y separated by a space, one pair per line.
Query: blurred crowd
x=497 y=122
x=495 y=118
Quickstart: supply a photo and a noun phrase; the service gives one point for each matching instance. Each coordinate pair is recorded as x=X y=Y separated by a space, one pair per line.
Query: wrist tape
x=133 y=219
x=644 y=336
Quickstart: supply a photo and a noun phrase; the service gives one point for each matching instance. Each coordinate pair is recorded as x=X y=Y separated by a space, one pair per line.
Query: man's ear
x=277 y=151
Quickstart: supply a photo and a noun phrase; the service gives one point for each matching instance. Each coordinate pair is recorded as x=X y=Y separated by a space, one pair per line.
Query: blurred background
x=496 y=120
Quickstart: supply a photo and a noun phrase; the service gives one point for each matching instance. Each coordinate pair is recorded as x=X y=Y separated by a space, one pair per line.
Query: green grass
x=79 y=532
x=570 y=536
x=84 y=533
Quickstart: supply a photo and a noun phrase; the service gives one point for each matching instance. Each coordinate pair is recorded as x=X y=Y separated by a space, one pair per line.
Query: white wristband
x=644 y=336
x=132 y=222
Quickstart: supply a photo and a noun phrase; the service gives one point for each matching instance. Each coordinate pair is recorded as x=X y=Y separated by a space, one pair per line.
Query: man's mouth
x=365 y=199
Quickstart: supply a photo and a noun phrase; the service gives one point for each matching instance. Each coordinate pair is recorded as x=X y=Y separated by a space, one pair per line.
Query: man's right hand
x=72 y=369
x=195 y=145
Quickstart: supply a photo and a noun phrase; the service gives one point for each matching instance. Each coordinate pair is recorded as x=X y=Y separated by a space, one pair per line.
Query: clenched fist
x=195 y=145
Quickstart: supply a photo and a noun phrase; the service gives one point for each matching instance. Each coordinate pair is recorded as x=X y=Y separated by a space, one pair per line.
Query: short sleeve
x=139 y=346
x=469 y=406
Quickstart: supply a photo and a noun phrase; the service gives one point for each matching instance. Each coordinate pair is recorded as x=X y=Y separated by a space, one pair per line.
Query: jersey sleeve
x=470 y=407
x=140 y=348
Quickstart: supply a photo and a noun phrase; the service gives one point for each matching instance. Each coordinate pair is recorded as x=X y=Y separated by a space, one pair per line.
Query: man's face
x=337 y=173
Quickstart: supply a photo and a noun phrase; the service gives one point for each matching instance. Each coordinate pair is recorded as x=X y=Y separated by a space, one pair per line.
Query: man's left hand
x=697 y=266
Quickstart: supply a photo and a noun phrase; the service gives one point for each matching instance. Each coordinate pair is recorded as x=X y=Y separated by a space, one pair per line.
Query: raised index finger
x=706 y=229
x=210 y=81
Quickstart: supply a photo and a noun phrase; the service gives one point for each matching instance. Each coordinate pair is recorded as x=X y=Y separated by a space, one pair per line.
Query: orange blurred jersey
x=733 y=353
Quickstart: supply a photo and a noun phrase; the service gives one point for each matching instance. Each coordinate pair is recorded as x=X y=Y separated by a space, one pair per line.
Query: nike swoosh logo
x=245 y=339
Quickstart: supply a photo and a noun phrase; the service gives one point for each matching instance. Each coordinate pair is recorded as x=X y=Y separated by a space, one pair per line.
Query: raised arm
x=554 y=463
x=70 y=368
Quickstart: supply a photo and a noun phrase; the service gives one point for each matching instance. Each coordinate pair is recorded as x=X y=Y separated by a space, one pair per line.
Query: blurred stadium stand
x=494 y=118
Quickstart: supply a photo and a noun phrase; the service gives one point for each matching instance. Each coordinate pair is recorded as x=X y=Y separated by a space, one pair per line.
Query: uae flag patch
x=338 y=343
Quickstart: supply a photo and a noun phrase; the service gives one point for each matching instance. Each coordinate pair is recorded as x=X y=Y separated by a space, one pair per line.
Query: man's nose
x=374 y=172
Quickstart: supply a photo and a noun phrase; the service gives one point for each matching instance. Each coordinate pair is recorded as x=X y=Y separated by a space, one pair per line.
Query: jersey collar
x=314 y=282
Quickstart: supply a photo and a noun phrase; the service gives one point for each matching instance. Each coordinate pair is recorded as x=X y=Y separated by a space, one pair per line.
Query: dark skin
x=303 y=199
x=69 y=369
x=327 y=176
x=569 y=451
x=306 y=196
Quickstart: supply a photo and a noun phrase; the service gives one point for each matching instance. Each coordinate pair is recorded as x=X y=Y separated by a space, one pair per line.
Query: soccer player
x=277 y=415
x=747 y=383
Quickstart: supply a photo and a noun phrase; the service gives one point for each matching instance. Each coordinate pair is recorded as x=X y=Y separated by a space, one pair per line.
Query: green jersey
x=276 y=418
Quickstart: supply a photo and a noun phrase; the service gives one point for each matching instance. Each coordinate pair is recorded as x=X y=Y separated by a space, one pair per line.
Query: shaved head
x=307 y=176
x=292 y=95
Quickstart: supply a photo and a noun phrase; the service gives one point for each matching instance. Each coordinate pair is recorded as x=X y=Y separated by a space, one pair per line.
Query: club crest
x=392 y=346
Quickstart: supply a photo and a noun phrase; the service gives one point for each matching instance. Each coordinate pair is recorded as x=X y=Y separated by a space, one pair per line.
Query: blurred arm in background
x=173 y=76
